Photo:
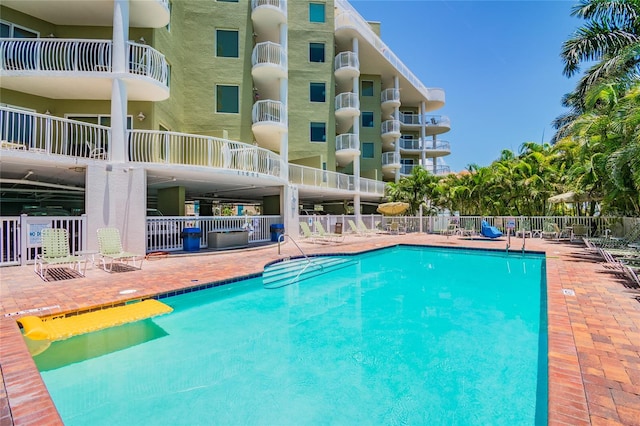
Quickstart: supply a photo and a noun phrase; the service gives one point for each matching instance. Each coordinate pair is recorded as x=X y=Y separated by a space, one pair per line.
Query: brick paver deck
x=594 y=328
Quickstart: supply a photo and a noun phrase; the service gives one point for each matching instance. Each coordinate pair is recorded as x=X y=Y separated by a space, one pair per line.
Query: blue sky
x=498 y=62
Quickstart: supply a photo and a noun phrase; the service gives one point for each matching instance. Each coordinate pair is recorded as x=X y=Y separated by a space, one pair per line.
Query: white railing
x=269 y=111
x=440 y=145
x=277 y=4
x=411 y=144
x=410 y=118
x=76 y=55
x=390 y=95
x=437 y=120
x=439 y=170
x=146 y=61
x=269 y=52
x=346 y=60
x=303 y=175
x=151 y=146
x=164 y=233
x=390 y=126
x=348 y=141
x=347 y=16
x=390 y=159
x=426 y=144
x=42 y=133
x=347 y=100
x=20 y=236
x=371 y=186
x=43 y=54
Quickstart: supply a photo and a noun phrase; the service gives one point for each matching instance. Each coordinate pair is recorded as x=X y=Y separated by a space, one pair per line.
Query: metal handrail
x=309 y=261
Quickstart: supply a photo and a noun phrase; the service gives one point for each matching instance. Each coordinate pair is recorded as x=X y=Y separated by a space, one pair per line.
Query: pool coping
x=28 y=400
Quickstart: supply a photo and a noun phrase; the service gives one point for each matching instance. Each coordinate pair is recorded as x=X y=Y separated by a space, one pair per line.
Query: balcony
x=390 y=130
x=390 y=99
x=347 y=107
x=440 y=149
x=269 y=123
x=390 y=161
x=347 y=148
x=346 y=66
x=308 y=176
x=269 y=61
x=410 y=146
x=416 y=146
x=409 y=119
x=435 y=98
x=80 y=69
x=268 y=13
x=437 y=124
x=142 y=14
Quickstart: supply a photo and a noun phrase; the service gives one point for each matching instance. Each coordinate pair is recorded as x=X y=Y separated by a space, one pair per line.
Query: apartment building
x=111 y=107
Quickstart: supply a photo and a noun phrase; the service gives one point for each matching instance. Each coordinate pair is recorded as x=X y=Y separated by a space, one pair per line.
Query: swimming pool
x=403 y=335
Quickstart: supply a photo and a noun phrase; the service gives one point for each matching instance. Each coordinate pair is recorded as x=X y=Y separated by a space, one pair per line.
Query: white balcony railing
x=44 y=134
x=371 y=186
x=150 y=146
x=390 y=95
x=346 y=60
x=269 y=111
x=411 y=144
x=390 y=159
x=426 y=144
x=269 y=53
x=390 y=126
x=349 y=141
x=303 y=175
x=406 y=169
x=74 y=55
x=347 y=100
x=410 y=118
x=276 y=4
x=441 y=170
x=438 y=120
x=439 y=146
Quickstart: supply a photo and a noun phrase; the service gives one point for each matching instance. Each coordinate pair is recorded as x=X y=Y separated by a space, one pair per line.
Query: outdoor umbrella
x=393 y=208
x=572 y=197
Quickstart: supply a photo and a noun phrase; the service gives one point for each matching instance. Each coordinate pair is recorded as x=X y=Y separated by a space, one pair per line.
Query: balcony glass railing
x=371 y=186
x=411 y=144
x=269 y=52
x=390 y=95
x=348 y=141
x=390 y=158
x=42 y=133
x=346 y=60
x=73 y=55
x=439 y=146
x=419 y=144
x=390 y=126
x=438 y=120
x=347 y=100
x=269 y=111
x=303 y=175
x=410 y=118
x=277 y=4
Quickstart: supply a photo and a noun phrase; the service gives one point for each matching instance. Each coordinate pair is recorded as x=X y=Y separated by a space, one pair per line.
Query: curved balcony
x=409 y=119
x=142 y=14
x=346 y=65
x=437 y=124
x=269 y=123
x=435 y=98
x=80 y=69
x=268 y=13
x=390 y=163
x=269 y=61
x=390 y=99
x=347 y=107
x=390 y=130
x=406 y=169
x=347 y=148
x=440 y=149
x=410 y=146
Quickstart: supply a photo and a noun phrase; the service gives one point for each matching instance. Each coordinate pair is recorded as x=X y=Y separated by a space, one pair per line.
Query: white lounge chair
x=111 y=251
x=55 y=251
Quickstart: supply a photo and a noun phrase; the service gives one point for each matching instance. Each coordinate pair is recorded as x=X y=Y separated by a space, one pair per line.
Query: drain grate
x=568 y=292
x=59 y=274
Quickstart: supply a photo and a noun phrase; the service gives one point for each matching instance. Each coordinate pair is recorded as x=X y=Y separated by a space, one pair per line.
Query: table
x=227 y=238
x=86 y=254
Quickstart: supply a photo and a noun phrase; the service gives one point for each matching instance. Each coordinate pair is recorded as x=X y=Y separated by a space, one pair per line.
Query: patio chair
x=524 y=229
x=579 y=230
x=550 y=229
x=329 y=236
x=469 y=229
x=395 y=228
x=111 y=251
x=55 y=251
x=363 y=228
x=311 y=236
x=358 y=231
x=451 y=229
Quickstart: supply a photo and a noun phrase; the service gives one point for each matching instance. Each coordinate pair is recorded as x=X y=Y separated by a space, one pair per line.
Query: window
x=318 y=132
x=316 y=12
x=9 y=30
x=317 y=92
x=367 y=119
x=168 y=75
x=227 y=99
x=316 y=52
x=367 y=149
x=367 y=88
x=227 y=43
x=168 y=27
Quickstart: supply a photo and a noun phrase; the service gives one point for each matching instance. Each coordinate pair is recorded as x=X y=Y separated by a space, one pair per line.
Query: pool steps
x=295 y=270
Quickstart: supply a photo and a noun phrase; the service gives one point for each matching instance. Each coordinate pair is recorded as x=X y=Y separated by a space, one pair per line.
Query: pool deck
x=593 y=315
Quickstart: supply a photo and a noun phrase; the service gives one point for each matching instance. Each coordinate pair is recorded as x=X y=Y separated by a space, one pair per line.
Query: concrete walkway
x=593 y=315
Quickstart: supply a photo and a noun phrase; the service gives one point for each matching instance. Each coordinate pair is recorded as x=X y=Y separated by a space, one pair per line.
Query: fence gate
x=20 y=236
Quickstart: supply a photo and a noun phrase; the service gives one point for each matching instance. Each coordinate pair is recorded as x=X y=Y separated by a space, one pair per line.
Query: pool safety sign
x=511 y=223
x=34 y=233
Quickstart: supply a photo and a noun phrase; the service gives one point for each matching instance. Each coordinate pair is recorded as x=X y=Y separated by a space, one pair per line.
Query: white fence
x=20 y=237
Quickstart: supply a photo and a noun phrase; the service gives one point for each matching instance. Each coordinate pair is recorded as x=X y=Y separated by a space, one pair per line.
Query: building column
x=117 y=145
x=423 y=135
x=356 y=131
x=396 y=116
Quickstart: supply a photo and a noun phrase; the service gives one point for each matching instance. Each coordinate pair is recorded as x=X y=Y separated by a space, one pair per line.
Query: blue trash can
x=276 y=229
x=191 y=239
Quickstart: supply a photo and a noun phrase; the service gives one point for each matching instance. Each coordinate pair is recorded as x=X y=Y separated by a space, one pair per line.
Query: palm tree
x=611 y=37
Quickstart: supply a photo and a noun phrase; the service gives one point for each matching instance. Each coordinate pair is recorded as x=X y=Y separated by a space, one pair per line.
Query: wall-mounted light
x=141 y=40
x=141 y=116
x=47 y=112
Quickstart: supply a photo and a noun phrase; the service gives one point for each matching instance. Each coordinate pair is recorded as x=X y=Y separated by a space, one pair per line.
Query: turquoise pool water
x=402 y=336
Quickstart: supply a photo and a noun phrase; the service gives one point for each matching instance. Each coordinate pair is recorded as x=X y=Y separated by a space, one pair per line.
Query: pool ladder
x=306 y=266
x=524 y=241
